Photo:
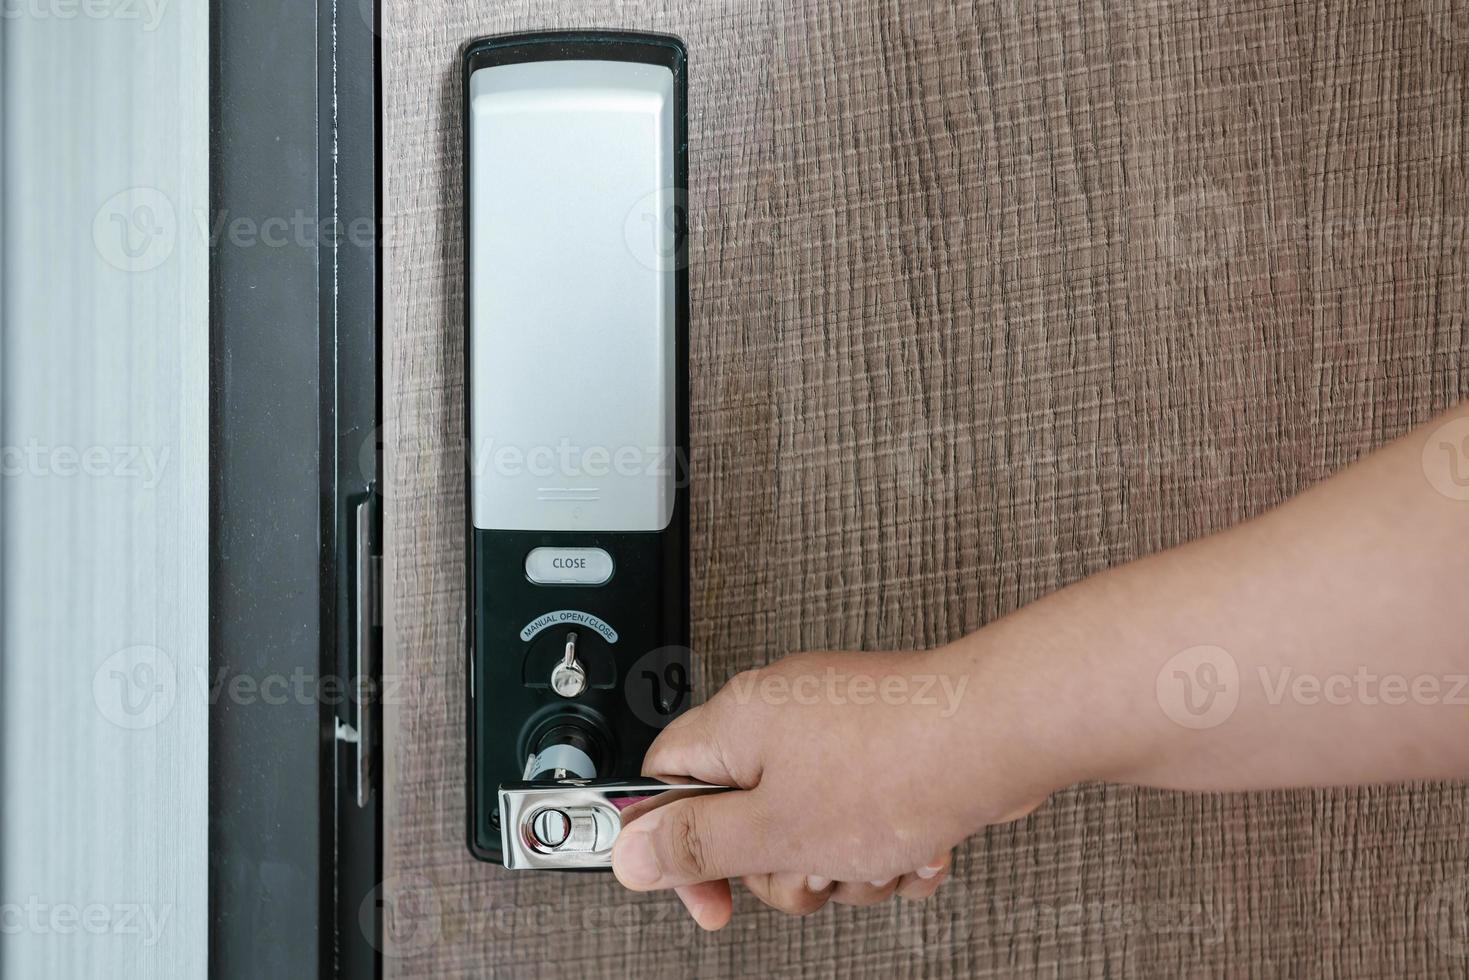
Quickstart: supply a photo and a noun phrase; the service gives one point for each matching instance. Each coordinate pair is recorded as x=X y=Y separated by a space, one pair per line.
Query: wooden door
x=986 y=297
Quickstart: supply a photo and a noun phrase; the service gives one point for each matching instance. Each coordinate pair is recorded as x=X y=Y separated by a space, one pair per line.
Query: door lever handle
x=569 y=824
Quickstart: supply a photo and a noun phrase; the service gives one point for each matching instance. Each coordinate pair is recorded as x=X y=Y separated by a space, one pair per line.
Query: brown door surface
x=986 y=297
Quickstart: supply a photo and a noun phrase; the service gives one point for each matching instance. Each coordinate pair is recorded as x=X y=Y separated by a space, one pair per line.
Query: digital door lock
x=576 y=353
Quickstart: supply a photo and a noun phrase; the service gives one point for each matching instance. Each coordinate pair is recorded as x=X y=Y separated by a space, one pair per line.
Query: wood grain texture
x=986 y=298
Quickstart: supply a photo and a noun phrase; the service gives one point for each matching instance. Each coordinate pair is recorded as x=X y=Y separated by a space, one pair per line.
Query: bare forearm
x=1337 y=627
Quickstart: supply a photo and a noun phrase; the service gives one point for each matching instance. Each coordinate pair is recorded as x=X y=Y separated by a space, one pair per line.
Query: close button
x=568 y=566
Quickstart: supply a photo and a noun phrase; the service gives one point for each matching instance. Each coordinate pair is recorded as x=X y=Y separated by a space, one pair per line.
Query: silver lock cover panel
x=572 y=296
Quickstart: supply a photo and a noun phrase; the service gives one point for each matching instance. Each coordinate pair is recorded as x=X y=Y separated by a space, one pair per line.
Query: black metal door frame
x=295 y=836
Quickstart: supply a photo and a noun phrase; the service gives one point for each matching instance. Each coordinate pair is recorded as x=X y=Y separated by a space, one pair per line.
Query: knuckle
x=666 y=744
x=738 y=688
x=689 y=849
x=676 y=725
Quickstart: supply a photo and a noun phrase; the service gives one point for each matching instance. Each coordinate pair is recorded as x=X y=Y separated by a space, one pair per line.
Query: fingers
x=708 y=902
x=803 y=894
x=915 y=885
x=711 y=906
x=688 y=747
x=790 y=893
x=925 y=881
x=715 y=742
x=863 y=893
x=702 y=838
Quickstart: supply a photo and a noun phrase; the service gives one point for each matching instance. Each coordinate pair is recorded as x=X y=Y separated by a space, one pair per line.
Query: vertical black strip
x=270 y=759
x=350 y=330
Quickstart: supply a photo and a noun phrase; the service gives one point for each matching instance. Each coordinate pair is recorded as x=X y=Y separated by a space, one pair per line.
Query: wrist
x=1040 y=711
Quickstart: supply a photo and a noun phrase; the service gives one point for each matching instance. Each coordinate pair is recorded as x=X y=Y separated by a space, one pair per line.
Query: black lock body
x=538 y=543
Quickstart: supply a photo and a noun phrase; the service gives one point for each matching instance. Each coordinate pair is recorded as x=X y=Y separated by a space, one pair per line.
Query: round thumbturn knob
x=551 y=827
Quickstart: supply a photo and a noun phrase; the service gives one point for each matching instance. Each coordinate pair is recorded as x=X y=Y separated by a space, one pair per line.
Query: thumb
x=701 y=838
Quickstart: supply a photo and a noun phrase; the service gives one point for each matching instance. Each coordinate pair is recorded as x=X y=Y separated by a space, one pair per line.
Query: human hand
x=857 y=774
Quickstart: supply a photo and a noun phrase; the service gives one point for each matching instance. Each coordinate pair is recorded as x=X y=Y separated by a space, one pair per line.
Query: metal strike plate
x=571 y=824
